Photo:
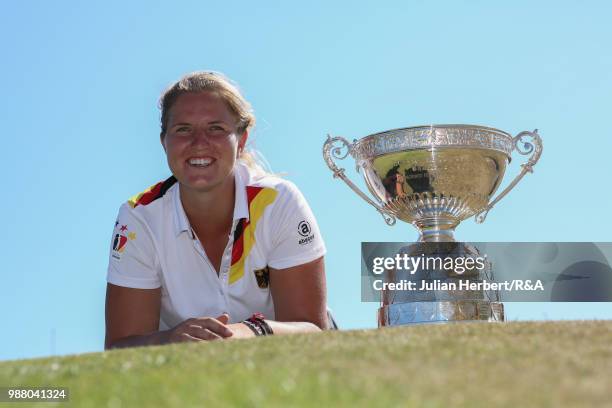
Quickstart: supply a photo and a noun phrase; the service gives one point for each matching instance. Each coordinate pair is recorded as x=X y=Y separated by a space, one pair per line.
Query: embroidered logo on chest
x=263 y=277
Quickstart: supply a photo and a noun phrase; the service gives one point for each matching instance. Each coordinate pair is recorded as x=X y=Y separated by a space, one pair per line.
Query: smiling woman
x=217 y=250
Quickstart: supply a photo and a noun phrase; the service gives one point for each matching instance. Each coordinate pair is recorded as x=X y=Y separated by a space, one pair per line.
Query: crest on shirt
x=263 y=277
x=121 y=238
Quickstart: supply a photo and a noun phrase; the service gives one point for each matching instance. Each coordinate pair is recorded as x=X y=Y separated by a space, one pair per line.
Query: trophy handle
x=534 y=148
x=331 y=152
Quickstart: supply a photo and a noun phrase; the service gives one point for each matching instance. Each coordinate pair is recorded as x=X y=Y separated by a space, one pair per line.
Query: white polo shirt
x=153 y=246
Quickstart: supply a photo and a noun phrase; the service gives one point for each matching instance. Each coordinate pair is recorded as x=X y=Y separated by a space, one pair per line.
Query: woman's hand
x=201 y=329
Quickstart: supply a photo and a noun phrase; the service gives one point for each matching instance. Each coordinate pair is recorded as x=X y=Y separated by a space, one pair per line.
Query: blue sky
x=80 y=128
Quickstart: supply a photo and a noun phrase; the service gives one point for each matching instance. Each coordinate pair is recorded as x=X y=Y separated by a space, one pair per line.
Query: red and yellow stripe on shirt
x=258 y=198
x=152 y=193
x=146 y=196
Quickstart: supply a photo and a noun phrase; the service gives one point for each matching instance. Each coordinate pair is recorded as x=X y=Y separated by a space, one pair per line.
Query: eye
x=182 y=130
x=216 y=130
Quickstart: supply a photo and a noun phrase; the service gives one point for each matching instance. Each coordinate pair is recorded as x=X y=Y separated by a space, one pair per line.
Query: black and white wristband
x=254 y=328
x=258 y=325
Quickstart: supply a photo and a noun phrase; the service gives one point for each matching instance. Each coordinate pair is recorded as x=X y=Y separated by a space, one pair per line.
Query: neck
x=212 y=211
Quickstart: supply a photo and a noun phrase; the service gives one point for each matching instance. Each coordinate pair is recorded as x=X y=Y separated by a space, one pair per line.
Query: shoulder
x=152 y=193
x=274 y=189
x=146 y=207
x=290 y=233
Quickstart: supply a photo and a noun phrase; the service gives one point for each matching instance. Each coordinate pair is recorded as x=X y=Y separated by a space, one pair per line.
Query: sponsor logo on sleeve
x=306 y=232
x=121 y=238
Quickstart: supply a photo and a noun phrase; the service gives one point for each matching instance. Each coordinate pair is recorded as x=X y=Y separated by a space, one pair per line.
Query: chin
x=203 y=183
x=202 y=186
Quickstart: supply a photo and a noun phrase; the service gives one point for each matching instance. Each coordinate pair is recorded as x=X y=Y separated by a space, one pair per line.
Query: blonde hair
x=209 y=81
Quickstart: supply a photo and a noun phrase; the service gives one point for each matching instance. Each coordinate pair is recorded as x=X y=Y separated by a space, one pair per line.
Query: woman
x=220 y=249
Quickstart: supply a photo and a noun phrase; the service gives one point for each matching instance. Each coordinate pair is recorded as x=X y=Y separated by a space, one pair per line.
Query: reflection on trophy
x=434 y=177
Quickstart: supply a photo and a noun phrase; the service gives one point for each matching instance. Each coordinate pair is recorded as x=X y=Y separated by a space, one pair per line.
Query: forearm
x=278 y=328
x=292 y=327
x=152 y=339
x=240 y=330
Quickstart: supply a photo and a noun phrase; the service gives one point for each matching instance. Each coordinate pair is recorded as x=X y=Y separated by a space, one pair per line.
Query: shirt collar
x=241 y=205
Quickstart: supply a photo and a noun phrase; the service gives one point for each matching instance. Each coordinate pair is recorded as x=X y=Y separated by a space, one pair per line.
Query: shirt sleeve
x=294 y=236
x=132 y=259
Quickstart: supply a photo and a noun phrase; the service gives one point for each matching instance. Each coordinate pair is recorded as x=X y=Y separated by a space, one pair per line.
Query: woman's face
x=201 y=143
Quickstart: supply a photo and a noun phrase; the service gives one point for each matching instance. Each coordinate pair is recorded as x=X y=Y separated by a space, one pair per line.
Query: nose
x=200 y=137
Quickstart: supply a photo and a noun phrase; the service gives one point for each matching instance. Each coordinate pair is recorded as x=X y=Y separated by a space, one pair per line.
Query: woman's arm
x=300 y=298
x=300 y=304
x=299 y=293
x=132 y=317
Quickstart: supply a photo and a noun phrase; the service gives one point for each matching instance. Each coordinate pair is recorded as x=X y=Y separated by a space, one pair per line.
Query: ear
x=242 y=142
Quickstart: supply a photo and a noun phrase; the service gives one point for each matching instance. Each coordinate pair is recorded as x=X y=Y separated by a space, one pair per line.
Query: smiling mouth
x=201 y=161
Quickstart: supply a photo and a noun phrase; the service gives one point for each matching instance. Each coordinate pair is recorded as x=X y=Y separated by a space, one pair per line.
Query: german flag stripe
x=238 y=245
x=152 y=193
x=258 y=198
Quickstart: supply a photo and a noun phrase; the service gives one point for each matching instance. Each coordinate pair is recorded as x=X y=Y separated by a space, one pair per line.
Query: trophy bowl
x=433 y=177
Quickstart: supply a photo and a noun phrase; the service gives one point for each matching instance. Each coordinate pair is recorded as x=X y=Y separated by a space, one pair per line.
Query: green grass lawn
x=518 y=364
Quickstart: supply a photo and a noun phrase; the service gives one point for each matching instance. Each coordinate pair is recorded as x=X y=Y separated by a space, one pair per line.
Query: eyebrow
x=214 y=122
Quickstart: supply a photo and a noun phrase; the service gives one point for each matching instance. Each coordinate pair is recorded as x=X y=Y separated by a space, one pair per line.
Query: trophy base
x=398 y=314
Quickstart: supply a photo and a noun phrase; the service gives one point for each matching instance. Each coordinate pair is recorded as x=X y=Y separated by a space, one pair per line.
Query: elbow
x=319 y=325
x=108 y=345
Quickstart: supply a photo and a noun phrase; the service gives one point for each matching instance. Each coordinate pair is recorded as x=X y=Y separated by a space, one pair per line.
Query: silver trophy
x=434 y=177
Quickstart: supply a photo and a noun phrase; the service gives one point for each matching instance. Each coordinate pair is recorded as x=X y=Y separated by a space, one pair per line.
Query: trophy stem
x=436 y=230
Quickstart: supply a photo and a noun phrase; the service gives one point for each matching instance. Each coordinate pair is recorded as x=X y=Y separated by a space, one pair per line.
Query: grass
x=517 y=364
